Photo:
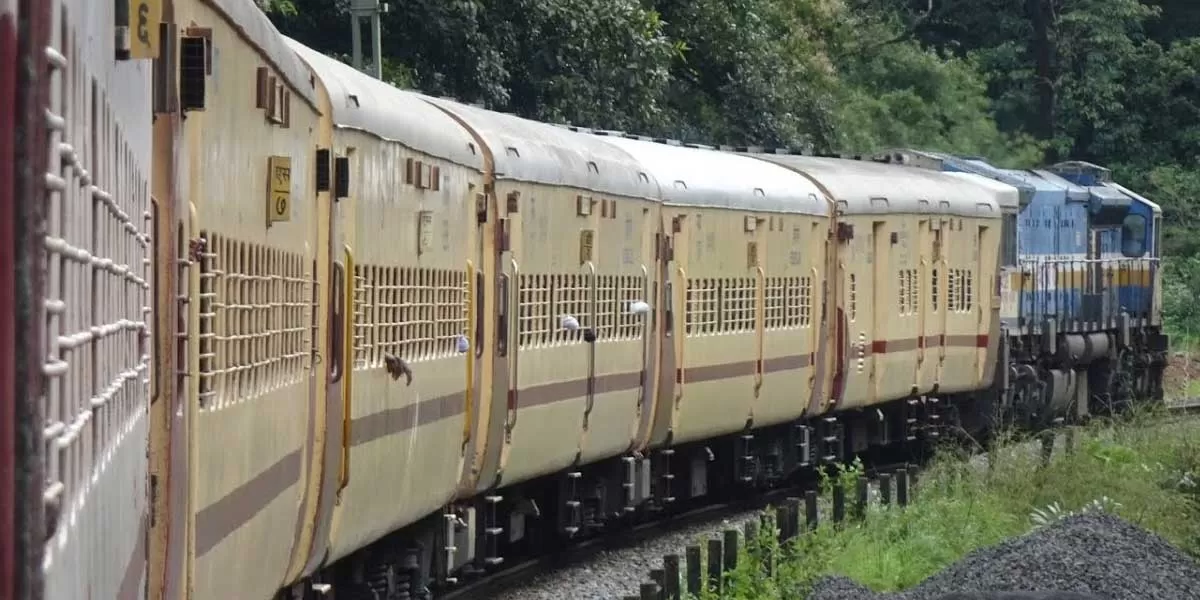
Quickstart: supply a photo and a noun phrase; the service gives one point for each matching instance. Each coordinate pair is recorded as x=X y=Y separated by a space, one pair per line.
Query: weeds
x=1143 y=468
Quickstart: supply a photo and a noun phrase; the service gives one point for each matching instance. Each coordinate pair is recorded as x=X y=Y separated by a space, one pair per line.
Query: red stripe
x=888 y=346
x=8 y=112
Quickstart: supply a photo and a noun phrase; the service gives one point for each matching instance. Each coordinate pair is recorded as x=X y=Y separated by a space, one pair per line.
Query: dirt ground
x=1181 y=380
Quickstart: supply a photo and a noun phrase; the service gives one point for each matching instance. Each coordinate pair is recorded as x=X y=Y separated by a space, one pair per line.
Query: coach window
x=1133 y=236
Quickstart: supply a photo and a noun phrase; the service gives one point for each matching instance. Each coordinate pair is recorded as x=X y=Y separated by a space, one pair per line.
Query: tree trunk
x=1041 y=13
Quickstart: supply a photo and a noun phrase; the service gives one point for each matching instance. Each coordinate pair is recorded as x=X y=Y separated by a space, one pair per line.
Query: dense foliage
x=1116 y=82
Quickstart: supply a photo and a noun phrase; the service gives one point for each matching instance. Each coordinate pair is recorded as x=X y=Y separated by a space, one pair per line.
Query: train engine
x=1080 y=289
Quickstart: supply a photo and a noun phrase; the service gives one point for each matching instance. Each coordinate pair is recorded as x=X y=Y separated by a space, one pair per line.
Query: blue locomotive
x=1079 y=287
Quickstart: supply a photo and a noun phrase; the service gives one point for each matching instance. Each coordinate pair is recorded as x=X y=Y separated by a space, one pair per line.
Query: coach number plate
x=279 y=189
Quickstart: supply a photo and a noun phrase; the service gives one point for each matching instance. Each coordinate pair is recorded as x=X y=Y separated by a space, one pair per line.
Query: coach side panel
x=97 y=364
x=259 y=264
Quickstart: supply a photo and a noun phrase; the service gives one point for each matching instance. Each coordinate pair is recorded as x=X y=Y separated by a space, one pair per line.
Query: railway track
x=585 y=550
x=588 y=549
x=1189 y=406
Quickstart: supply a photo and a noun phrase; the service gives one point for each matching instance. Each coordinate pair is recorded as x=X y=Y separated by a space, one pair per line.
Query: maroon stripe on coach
x=8 y=388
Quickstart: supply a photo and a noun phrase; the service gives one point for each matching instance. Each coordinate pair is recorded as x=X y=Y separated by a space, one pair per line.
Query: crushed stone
x=1090 y=556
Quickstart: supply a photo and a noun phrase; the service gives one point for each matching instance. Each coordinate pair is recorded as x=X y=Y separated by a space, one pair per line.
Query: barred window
x=417 y=313
x=774 y=303
x=703 y=315
x=570 y=297
x=536 y=323
x=255 y=320
x=909 y=292
x=739 y=299
x=804 y=299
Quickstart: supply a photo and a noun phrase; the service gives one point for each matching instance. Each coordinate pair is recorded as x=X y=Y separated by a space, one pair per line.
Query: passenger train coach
x=279 y=329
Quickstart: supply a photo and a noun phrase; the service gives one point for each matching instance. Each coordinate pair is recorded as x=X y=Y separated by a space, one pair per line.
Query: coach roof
x=363 y=103
x=526 y=150
x=709 y=178
x=863 y=187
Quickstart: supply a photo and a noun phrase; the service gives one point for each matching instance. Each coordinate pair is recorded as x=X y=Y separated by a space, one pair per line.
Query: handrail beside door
x=647 y=324
x=510 y=300
x=469 y=388
x=759 y=325
x=681 y=338
x=347 y=365
x=591 y=322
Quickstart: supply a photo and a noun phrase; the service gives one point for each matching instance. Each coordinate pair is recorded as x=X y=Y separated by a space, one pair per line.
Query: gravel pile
x=1095 y=555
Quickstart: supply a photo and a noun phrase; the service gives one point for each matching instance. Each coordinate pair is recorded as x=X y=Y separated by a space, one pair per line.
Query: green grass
x=1141 y=468
x=1191 y=389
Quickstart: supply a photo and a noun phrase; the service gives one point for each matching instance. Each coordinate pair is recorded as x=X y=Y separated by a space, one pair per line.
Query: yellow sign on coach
x=144 y=19
x=279 y=189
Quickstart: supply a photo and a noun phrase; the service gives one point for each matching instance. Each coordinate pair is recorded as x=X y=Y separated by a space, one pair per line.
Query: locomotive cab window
x=1157 y=248
x=1133 y=236
x=1008 y=252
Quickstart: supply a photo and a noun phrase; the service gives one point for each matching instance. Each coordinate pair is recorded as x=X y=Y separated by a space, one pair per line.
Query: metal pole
x=356 y=37
x=377 y=44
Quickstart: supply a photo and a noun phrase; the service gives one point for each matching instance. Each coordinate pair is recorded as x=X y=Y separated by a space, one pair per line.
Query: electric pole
x=367 y=10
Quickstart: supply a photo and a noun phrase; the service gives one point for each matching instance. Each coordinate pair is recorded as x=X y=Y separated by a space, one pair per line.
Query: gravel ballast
x=1094 y=555
x=616 y=573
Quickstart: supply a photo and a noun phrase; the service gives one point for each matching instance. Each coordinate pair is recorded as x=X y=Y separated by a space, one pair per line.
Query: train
x=279 y=329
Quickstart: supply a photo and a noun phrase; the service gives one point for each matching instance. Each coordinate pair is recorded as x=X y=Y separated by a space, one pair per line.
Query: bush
x=1144 y=469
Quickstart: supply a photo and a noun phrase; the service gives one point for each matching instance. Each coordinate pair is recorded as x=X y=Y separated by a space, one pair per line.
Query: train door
x=881 y=299
x=848 y=342
x=674 y=360
x=587 y=297
x=828 y=358
x=506 y=395
x=170 y=546
x=925 y=309
x=942 y=288
x=923 y=306
x=756 y=251
x=479 y=455
x=981 y=289
x=666 y=310
x=170 y=421
x=329 y=396
x=655 y=282
x=336 y=255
